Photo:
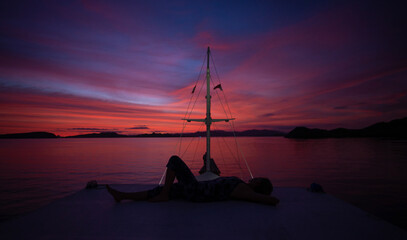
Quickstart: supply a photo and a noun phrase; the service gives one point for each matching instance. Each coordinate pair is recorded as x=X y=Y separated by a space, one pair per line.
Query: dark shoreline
x=248 y=133
x=394 y=129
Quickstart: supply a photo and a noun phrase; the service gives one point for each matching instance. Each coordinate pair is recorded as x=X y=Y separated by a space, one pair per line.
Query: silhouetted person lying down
x=223 y=188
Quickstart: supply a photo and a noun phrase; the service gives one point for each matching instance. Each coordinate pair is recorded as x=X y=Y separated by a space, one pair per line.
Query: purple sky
x=129 y=66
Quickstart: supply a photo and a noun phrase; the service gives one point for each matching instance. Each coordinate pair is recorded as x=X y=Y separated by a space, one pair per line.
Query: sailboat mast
x=208 y=120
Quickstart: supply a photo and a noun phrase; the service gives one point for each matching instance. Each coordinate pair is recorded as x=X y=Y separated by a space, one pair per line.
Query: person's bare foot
x=162 y=197
x=116 y=194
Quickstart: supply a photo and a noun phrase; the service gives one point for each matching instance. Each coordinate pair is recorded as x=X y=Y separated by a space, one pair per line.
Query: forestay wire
x=189 y=104
x=230 y=113
x=188 y=113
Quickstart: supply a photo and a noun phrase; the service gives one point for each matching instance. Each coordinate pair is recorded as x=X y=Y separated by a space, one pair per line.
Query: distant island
x=30 y=135
x=396 y=128
x=248 y=133
x=219 y=133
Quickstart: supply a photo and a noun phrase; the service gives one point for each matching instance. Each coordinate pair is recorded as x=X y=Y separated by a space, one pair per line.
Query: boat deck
x=93 y=214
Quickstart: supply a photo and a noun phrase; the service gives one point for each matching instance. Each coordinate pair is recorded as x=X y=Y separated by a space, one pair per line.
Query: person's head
x=261 y=185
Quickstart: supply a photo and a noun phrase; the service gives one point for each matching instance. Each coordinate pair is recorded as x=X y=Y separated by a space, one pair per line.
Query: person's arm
x=244 y=192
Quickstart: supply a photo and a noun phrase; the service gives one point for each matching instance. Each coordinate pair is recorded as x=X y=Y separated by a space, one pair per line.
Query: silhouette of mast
x=208 y=119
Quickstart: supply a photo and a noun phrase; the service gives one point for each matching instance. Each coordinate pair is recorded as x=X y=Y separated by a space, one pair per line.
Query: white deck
x=92 y=214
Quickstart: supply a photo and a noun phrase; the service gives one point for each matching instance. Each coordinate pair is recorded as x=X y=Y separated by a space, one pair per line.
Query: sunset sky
x=71 y=67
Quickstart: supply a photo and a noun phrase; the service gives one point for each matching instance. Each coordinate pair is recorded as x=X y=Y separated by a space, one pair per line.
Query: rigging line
x=196 y=99
x=221 y=103
x=162 y=177
x=183 y=128
x=224 y=95
x=227 y=104
x=220 y=149
x=234 y=134
x=179 y=153
x=231 y=152
x=247 y=165
x=192 y=138
x=197 y=80
x=239 y=149
x=217 y=75
x=233 y=156
x=189 y=103
x=214 y=66
x=186 y=112
x=196 y=149
x=231 y=123
x=190 y=116
x=230 y=113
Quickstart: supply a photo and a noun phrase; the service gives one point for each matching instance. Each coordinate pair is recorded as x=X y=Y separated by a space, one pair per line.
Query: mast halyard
x=208 y=119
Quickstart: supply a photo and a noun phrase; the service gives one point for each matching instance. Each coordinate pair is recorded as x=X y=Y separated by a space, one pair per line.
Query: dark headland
x=394 y=129
x=30 y=135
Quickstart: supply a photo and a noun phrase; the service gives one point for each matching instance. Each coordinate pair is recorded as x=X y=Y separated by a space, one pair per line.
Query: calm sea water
x=369 y=173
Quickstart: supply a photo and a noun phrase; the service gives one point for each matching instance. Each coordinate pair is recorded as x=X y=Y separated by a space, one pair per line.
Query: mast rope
x=192 y=139
x=179 y=153
x=230 y=122
x=196 y=149
x=189 y=103
x=220 y=100
x=219 y=146
x=162 y=177
x=236 y=159
x=224 y=95
x=220 y=149
x=186 y=113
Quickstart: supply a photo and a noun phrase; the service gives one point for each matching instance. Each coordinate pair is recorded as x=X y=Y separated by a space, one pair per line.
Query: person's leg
x=164 y=195
x=118 y=196
x=181 y=171
x=176 y=168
